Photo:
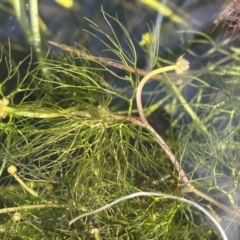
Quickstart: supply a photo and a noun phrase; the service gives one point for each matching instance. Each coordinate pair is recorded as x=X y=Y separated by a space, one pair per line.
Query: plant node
x=12 y=170
x=17 y=216
x=182 y=65
x=4 y=102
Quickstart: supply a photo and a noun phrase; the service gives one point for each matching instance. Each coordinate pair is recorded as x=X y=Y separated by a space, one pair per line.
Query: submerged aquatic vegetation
x=76 y=150
x=230 y=17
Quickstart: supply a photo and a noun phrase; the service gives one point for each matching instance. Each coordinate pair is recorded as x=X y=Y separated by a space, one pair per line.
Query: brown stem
x=105 y=61
x=158 y=138
x=189 y=187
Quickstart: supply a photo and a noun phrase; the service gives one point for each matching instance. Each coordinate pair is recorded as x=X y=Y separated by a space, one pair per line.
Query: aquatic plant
x=229 y=17
x=77 y=146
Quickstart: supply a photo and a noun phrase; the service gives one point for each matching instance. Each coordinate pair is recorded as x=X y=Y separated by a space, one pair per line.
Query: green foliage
x=79 y=151
x=64 y=140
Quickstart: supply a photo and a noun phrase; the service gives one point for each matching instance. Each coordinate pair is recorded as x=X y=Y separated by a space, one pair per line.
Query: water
x=171 y=40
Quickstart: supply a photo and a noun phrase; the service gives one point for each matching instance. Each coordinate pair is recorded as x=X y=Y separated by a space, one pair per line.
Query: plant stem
x=12 y=170
x=142 y=84
x=158 y=138
x=105 y=61
x=44 y=113
x=29 y=207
